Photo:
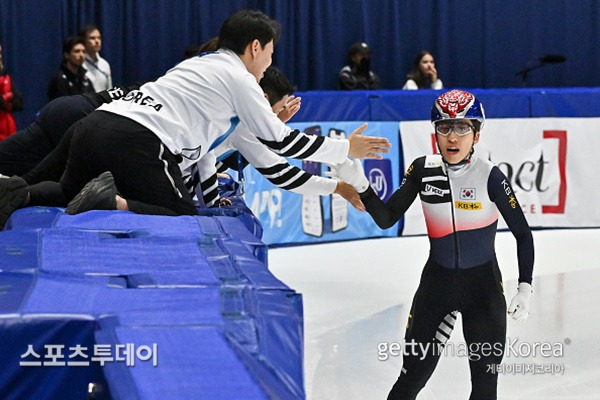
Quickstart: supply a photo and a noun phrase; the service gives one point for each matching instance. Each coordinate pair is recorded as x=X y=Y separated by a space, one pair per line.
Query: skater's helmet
x=457 y=104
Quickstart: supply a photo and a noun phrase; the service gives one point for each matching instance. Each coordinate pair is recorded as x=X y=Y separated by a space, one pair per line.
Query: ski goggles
x=461 y=128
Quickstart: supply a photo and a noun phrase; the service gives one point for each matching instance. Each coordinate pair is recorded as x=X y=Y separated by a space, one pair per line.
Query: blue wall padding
x=205 y=365
x=197 y=287
x=154 y=225
x=165 y=306
x=576 y=103
x=45 y=382
x=80 y=252
x=19 y=250
x=414 y=105
x=275 y=311
x=334 y=106
x=16 y=287
x=38 y=217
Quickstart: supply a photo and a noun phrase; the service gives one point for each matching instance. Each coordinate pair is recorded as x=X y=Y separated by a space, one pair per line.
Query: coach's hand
x=349 y=193
x=367 y=146
x=290 y=108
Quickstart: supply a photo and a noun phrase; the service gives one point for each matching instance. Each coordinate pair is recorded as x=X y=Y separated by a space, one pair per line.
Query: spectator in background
x=178 y=118
x=71 y=78
x=98 y=69
x=357 y=75
x=423 y=74
x=10 y=100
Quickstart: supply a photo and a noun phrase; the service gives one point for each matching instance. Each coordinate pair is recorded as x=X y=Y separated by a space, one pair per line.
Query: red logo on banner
x=434 y=144
x=562 y=169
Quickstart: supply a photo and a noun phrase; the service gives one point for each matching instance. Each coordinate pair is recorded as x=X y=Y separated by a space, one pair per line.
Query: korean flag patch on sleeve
x=467 y=194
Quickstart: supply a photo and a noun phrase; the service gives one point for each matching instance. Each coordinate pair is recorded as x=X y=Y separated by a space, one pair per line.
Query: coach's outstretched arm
x=367 y=146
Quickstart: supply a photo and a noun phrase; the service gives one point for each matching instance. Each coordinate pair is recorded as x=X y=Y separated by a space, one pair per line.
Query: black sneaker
x=99 y=194
x=13 y=194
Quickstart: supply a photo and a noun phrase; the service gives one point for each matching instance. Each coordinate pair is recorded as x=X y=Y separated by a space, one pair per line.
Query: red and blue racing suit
x=461 y=205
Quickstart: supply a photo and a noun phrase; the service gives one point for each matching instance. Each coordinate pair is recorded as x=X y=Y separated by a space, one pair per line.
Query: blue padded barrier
x=340 y=105
x=280 y=314
x=36 y=217
x=233 y=309
x=232 y=227
x=143 y=225
x=45 y=381
x=168 y=259
x=229 y=188
x=19 y=250
x=15 y=290
x=193 y=286
x=411 y=105
x=89 y=295
x=204 y=367
x=388 y=106
x=393 y=106
x=582 y=102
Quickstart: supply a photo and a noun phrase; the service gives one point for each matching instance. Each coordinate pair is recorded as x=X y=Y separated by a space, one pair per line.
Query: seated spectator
x=10 y=100
x=357 y=75
x=98 y=69
x=423 y=74
x=71 y=78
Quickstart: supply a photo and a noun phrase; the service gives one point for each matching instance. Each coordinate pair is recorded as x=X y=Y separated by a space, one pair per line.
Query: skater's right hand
x=352 y=172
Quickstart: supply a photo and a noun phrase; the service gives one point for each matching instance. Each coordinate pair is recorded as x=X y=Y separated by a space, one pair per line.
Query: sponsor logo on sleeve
x=511 y=197
x=434 y=191
x=433 y=163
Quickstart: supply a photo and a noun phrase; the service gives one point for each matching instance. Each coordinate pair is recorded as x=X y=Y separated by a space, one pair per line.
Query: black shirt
x=66 y=83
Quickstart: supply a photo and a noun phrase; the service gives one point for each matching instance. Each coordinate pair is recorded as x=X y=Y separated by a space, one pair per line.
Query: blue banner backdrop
x=476 y=43
x=293 y=218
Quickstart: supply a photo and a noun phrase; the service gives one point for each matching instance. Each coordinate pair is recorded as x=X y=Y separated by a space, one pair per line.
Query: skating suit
x=461 y=205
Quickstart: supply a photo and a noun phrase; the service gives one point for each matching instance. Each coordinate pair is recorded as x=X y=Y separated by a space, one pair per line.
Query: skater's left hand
x=519 y=306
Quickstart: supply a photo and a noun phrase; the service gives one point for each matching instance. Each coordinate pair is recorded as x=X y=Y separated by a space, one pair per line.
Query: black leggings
x=146 y=173
x=477 y=294
x=27 y=147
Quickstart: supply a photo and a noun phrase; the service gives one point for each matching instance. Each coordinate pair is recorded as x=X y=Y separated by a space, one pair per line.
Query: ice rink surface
x=357 y=295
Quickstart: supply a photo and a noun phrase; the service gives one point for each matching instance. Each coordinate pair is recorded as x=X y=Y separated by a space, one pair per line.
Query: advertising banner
x=547 y=161
x=294 y=218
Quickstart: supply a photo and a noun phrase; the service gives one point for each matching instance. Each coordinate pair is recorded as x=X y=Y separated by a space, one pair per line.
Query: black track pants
x=477 y=294
x=146 y=173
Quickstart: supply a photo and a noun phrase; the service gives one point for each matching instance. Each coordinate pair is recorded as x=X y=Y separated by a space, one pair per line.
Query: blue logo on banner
x=379 y=173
